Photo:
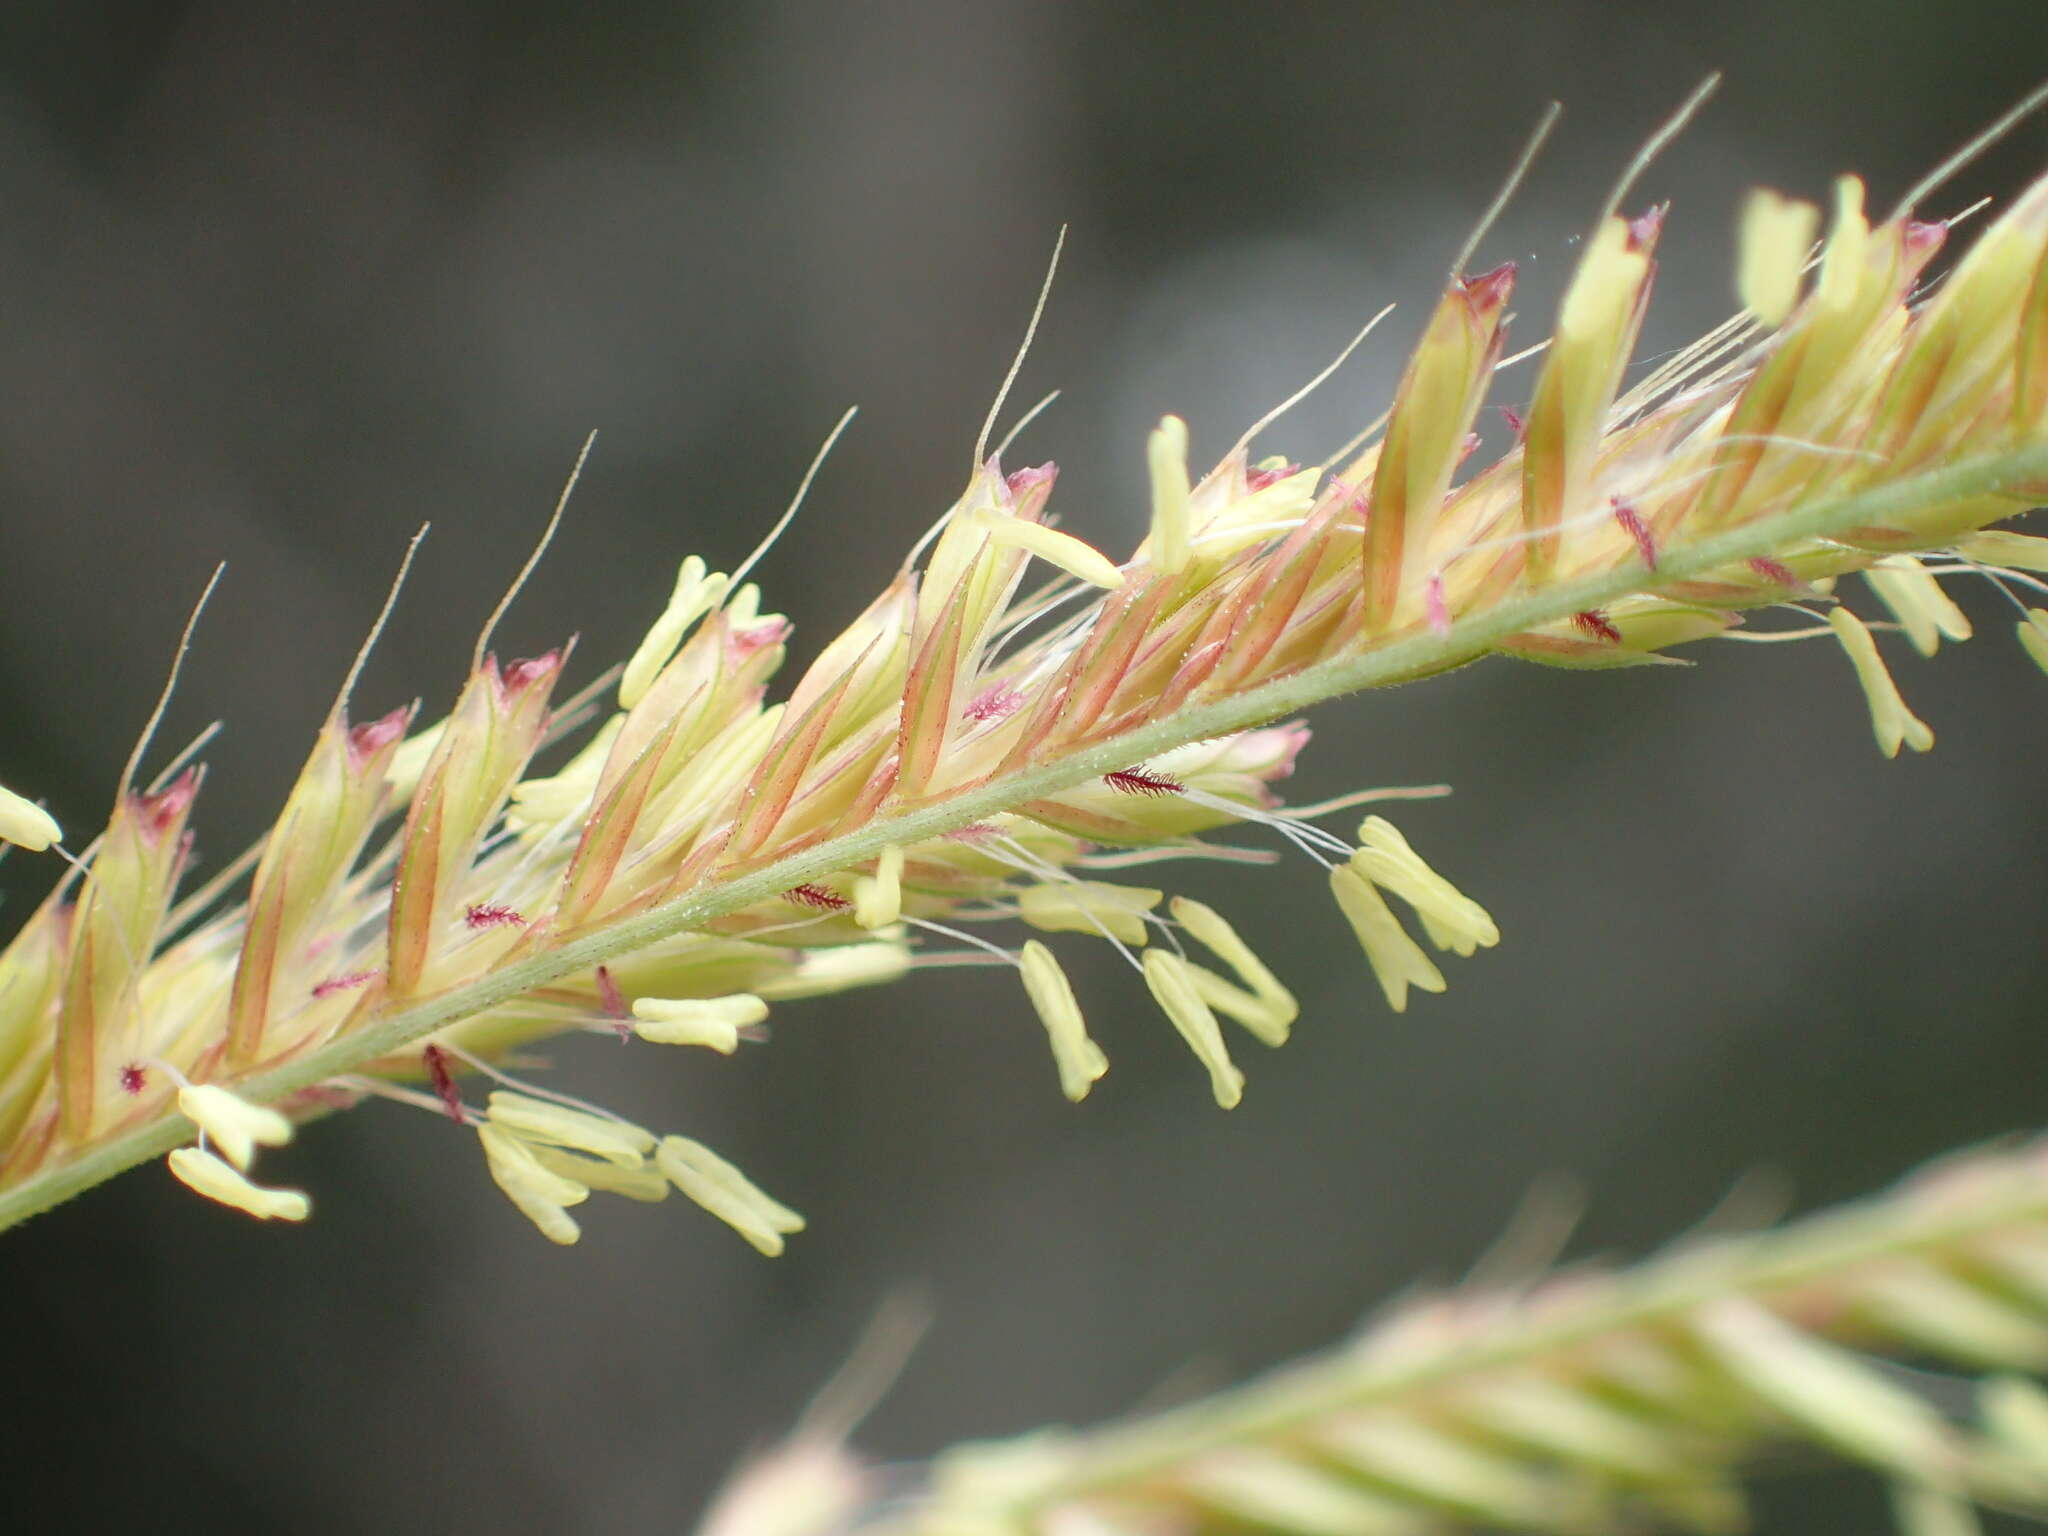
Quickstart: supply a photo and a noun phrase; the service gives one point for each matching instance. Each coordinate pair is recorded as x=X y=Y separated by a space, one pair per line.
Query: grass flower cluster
x=1017 y=722
x=1018 y=715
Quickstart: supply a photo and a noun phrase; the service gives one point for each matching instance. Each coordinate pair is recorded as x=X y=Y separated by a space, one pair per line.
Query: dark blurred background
x=282 y=281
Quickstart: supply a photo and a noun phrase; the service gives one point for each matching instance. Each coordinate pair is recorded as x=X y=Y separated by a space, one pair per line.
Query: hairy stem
x=1416 y=656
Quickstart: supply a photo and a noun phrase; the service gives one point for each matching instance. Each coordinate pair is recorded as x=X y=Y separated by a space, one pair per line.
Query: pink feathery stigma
x=1438 y=611
x=993 y=703
x=334 y=984
x=1632 y=524
x=1139 y=781
x=1514 y=420
x=974 y=831
x=808 y=895
x=1598 y=625
x=1771 y=570
x=484 y=914
x=444 y=1084
x=132 y=1079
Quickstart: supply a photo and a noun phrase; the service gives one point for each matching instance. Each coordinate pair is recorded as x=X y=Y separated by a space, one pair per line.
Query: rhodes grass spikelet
x=1434 y=408
x=1015 y=717
x=1568 y=418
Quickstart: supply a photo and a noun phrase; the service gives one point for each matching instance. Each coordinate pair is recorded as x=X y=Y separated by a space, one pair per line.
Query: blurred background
x=282 y=281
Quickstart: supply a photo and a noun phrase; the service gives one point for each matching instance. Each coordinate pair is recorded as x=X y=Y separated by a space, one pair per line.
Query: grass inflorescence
x=1016 y=716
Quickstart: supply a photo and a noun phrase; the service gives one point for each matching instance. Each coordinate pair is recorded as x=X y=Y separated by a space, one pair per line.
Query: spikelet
x=975 y=748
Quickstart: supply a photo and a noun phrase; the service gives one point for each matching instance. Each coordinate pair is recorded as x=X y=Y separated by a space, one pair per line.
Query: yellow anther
x=1841 y=269
x=25 y=823
x=1166 y=455
x=1916 y=600
x=878 y=898
x=711 y=1021
x=2034 y=636
x=1396 y=959
x=743 y=611
x=540 y=804
x=1262 y=1020
x=1166 y=974
x=1209 y=928
x=2001 y=547
x=1777 y=234
x=643 y=1182
x=1077 y=559
x=216 y=1180
x=1453 y=920
x=411 y=759
x=1890 y=720
x=1079 y=1059
x=1089 y=906
x=695 y=595
x=541 y=1194
x=824 y=971
x=726 y=1193
x=558 y=1125
x=232 y=1123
